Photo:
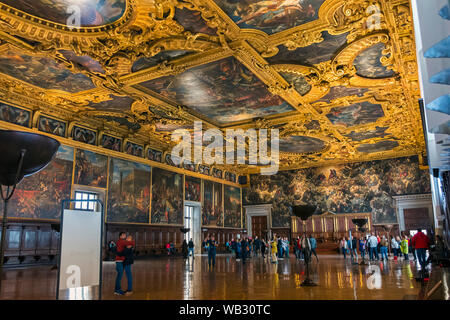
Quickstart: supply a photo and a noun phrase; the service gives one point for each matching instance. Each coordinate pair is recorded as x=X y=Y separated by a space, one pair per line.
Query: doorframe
x=259 y=210
x=197 y=234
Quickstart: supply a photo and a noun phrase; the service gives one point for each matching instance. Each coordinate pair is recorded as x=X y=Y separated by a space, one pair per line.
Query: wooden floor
x=175 y=278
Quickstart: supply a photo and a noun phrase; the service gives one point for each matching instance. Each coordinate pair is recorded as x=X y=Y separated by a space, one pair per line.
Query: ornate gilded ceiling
x=337 y=78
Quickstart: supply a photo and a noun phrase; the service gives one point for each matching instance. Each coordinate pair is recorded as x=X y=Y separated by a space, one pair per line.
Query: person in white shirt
x=395 y=246
x=373 y=243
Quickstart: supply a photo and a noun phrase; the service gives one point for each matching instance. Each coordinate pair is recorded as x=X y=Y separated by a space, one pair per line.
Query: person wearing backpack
x=191 y=248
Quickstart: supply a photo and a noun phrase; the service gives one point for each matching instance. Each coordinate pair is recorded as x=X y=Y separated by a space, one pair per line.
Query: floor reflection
x=258 y=279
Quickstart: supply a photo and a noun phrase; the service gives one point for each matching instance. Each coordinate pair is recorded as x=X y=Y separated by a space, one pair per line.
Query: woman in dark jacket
x=184 y=249
x=128 y=253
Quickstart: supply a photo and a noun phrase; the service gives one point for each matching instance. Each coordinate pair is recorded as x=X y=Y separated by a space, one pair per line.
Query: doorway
x=192 y=221
x=259 y=226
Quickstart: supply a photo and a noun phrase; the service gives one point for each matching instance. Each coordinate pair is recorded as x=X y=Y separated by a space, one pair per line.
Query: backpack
x=112 y=247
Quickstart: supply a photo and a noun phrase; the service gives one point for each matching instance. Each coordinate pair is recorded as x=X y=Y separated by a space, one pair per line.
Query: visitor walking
x=404 y=247
x=344 y=247
x=128 y=253
x=184 y=249
x=245 y=247
x=420 y=242
x=120 y=246
x=384 y=243
x=274 y=250
x=211 y=244
x=313 y=243
x=285 y=244
x=395 y=245
x=362 y=248
x=373 y=244
x=257 y=243
x=191 y=248
x=263 y=248
x=280 y=248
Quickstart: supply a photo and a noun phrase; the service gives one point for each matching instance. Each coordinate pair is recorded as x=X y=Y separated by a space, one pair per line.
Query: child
x=404 y=247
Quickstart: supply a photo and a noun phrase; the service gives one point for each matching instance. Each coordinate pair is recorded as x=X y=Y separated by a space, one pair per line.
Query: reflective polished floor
x=258 y=279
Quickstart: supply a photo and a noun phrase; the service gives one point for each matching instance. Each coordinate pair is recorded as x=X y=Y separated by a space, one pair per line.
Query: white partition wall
x=79 y=273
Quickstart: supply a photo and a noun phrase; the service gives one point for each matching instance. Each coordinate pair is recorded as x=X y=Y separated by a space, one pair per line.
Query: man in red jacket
x=420 y=242
x=120 y=246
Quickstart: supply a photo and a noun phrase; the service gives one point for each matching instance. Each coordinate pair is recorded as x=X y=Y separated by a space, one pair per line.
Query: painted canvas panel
x=212 y=206
x=270 y=16
x=368 y=63
x=230 y=176
x=111 y=143
x=224 y=91
x=116 y=104
x=349 y=188
x=377 y=147
x=128 y=192
x=192 y=190
x=53 y=126
x=203 y=169
x=192 y=21
x=43 y=72
x=167 y=197
x=15 y=115
x=93 y=13
x=379 y=132
x=40 y=196
x=232 y=201
x=341 y=91
x=84 y=135
x=170 y=162
x=90 y=169
x=154 y=155
x=312 y=54
x=299 y=82
x=208 y=215
x=301 y=144
x=189 y=166
x=355 y=114
x=134 y=149
x=85 y=62
x=217 y=173
x=167 y=56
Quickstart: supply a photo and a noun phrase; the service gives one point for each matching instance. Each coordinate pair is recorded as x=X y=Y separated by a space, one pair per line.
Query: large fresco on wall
x=167 y=197
x=93 y=13
x=128 y=192
x=193 y=189
x=355 y=114
x=232 y=201
x=348 y=188
x=224 y=91
x=270 y=16
x=43 y=72
x=368 y=63
x=312 y=54
x=90 y=169
x=40 y=196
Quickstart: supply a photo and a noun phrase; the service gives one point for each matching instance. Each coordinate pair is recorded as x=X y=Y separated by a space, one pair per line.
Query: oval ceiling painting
x=92 y=13
x=301 y=144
